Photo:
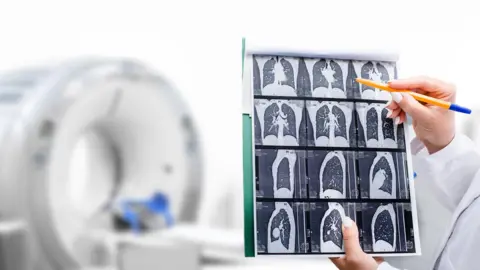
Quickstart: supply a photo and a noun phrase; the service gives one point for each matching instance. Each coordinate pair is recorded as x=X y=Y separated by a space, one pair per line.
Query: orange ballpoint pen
x=423 y=98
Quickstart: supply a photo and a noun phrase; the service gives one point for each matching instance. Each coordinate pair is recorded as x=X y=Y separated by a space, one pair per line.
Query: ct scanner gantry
x=143 y=140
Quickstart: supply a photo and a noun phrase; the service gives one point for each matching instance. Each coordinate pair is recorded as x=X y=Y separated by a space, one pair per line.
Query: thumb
x=350 y=237
x=411 y=106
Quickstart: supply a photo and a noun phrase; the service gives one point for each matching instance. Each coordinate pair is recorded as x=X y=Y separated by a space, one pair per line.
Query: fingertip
x=397 y=120
x=392 y=105
x=395 y=113
x=348 y=222
x=389 y=113
x=351 y=237
x=397 y=97
x=403 y=118
x=349 y=228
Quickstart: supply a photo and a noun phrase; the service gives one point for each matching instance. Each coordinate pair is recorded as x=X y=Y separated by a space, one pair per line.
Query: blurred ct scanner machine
x=143 y=141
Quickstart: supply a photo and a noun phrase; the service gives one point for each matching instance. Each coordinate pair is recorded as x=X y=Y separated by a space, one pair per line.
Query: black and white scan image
x=382 y=175
x=376 y=71
x=280 y=122
x=410 y=244
x=328 y=77
x=403 y=176
x=330 y=124
x=326 y=221
x=401 y=136
x=280 y=173
x=277 y=75
x=325 y=150
x=374 y=129
x=383 y=228
x=281 y=227
x=331 y=174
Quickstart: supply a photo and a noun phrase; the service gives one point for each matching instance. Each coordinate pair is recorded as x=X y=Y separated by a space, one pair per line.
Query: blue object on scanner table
x=133 y=210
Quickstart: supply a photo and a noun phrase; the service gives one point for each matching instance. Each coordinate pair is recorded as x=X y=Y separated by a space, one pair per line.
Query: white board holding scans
x=324 y=150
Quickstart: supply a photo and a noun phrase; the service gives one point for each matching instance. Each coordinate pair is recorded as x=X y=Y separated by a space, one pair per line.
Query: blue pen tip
x=457 y=108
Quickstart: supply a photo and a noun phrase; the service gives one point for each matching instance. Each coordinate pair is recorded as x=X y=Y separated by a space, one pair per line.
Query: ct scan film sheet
x=323 y=149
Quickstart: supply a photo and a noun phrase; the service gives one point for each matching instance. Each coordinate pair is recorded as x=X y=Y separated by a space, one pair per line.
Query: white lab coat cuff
x=385 y=266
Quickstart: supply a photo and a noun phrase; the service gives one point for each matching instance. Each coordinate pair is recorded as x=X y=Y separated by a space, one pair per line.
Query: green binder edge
x=248 y=207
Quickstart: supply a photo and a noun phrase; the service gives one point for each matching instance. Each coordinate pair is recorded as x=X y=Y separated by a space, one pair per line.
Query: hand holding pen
x=416 y=94
x=434 y=125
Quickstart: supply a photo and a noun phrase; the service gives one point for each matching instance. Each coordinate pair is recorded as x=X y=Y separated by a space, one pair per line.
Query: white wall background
x=197 y=44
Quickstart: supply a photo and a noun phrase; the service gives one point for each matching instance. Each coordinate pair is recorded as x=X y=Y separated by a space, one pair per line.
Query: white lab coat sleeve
x=451 y=170
x=461 y=252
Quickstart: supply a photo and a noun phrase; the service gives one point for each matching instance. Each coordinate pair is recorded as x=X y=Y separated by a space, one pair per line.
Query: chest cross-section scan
x=324 y=141
x=280 y=173
x=275 y=76
x=279 y=122
x=283 y=174
x=375 y=129
x=331 y=229
x=384 y=229
x=328 y=78
x=331 y=123
x=333 y=176
x=375 y=71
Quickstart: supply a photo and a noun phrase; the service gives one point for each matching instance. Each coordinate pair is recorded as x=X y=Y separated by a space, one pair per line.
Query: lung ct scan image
x=280 y=173
x=331 y=174
x=323 y=150
x=374 y=129
x=382 y=175
x=326 y=220
x=330 y=124
x=280 y=227
x=280 y=122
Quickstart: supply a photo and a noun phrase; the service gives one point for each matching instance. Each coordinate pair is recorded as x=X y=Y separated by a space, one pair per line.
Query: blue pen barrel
x=458 y=108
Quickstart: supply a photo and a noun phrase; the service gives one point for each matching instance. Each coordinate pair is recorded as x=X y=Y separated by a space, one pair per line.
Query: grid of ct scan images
x=324 y=149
